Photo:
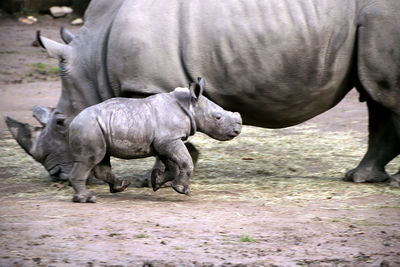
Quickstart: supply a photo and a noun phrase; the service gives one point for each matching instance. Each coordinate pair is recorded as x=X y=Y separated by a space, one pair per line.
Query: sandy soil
x=268 y=198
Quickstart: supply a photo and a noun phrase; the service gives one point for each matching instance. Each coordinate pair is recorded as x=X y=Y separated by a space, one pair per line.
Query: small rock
x=60 y=11
x=35 y=43
x=77 y=21
x=32 y=18
x=28 y=20
x=292 y=169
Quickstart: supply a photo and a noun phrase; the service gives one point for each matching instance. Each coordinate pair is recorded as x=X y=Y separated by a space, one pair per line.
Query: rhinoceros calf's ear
x=42 y=114
x=53 y=48
x=196 y=89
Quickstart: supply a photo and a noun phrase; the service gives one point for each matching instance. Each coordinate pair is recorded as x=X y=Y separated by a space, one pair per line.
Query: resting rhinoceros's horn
x=66 y=35
x=25 y=134
x=39 y=40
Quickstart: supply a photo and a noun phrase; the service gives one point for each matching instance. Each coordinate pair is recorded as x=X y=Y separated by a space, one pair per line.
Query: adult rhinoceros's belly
x=276 y=62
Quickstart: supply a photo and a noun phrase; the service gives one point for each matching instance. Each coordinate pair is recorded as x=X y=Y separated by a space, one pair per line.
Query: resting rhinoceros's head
x=48 y=144
x=210 y=118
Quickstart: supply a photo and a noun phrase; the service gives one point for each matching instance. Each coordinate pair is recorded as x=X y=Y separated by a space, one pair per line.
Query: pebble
x=77 y=21
x=28 y=20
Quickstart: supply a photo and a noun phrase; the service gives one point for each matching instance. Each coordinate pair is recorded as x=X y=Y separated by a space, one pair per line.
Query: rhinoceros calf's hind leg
x=78 y=176
x=103 y=172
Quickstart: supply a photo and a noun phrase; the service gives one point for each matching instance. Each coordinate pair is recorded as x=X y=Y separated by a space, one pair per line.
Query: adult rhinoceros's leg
x=103 y=172
x=178 y=165
x=383 y=146
x=379 y=74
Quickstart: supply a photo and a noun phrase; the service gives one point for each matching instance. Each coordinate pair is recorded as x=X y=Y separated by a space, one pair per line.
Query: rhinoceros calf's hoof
x=84 y=198
x=181 y=189
x=119 y=188
x=157 y=179
x=395 y=180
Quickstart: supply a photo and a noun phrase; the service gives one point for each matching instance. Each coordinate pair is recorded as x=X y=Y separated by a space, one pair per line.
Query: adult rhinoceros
x=277 y=62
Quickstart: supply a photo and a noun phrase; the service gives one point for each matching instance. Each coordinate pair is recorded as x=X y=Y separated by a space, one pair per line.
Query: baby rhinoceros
x=137 y=128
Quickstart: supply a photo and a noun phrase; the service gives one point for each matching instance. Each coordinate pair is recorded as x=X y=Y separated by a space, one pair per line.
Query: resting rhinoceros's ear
x=66 y=35
x=42 y=114
x=196 y=89
x=53 y=48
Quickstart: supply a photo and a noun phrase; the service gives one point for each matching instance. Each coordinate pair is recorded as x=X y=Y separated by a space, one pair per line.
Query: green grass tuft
x=246 y=238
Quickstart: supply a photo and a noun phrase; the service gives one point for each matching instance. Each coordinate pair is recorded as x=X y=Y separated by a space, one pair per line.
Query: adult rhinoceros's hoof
x=366 y=176
x=84 y=198
x=115 y=188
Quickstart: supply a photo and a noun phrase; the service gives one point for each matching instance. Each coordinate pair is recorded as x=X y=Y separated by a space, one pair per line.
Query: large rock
x=60 y=11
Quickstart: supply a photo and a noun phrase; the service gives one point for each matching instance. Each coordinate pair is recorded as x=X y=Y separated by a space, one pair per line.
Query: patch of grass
x=54 y=70
x=45 y=69
x=246 y=238
x=178 y=248
x=39 y=66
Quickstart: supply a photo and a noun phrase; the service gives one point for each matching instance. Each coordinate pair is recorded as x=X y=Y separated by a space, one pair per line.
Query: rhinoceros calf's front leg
x=178 y=166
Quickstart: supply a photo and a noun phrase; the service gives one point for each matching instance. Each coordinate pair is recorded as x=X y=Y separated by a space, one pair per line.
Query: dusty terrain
x=268 y=198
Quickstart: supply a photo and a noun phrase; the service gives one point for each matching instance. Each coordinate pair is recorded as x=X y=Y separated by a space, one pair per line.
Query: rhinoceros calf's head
x=210 y=118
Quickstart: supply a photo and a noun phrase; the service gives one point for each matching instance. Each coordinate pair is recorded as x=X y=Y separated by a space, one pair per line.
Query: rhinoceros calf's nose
x=238 y=117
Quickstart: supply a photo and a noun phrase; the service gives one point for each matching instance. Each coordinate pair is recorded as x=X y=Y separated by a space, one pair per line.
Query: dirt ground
x=268 y=198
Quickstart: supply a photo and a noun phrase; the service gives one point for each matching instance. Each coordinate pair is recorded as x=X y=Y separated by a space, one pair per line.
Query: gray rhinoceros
x=137 y=128
x=278 y=63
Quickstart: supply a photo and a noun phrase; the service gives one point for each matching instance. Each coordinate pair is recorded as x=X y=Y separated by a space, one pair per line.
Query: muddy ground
x=268 y=198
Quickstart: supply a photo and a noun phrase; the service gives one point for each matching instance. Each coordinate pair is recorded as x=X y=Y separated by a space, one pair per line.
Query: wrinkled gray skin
x=137 y=128
x=277 y=62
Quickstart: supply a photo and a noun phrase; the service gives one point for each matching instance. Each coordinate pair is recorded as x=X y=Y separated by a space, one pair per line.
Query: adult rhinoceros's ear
x=66 y=35
x=53 y=48
x=196 y=89
x=42 y=114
